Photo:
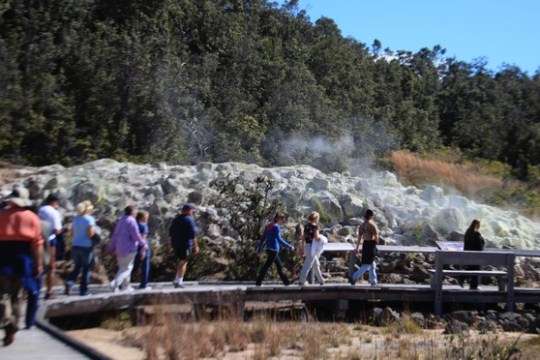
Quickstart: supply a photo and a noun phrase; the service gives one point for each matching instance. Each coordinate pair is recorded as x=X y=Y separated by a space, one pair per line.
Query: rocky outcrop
x=405 y=215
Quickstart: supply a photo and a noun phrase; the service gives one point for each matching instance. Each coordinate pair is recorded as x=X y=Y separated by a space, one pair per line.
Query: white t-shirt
x=53 y=217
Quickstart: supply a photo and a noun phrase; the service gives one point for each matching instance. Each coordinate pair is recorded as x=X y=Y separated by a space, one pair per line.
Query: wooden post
x=438 y=282
x=511 y=259
x=352 y=260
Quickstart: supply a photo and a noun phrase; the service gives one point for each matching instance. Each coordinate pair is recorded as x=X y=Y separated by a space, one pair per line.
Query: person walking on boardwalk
x=21 y=242
x=82 y=248
x=49 y=213
x=32 y=293
x=140 y=261
x=310 y=240
x=368 y=237
x=473 y=241
x=125 y=241
x=272 y=239
x=183 y=241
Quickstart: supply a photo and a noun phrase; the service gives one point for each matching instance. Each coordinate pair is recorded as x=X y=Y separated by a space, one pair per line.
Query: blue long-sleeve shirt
x=272 y=238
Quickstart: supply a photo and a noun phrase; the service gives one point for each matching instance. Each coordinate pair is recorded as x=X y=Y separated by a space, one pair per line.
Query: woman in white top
x=312 y=249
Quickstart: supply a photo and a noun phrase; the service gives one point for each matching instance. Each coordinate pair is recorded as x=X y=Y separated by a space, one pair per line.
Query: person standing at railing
x=473 y=241
x=368 y=236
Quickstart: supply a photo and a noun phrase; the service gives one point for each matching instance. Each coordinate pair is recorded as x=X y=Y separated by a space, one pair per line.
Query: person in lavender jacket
x=124 y=243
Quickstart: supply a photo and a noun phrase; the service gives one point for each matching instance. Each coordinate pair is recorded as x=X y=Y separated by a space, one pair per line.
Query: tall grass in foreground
x=263 y=338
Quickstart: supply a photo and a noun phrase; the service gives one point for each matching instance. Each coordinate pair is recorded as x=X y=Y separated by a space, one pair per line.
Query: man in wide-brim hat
x=20 y=256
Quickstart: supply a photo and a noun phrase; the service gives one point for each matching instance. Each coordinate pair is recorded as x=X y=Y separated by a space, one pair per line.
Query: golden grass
x=265 y=338
x=466 y=178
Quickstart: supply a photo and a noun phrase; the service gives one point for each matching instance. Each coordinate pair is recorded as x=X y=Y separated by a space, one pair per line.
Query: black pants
x=473 y=285
x=272 y=256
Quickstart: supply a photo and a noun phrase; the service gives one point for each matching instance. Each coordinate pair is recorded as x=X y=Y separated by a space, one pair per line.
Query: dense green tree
x=215 y=80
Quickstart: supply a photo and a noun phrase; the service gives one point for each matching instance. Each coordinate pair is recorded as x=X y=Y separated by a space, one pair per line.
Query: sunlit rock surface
x=406 y=215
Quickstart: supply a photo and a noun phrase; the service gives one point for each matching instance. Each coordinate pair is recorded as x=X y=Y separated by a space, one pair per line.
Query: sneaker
x=373 y=285
x=179 y=285
x=49 y=296
x=67 y=289
x=10 y=334
x=461 y=282
x=128 y=290
x=146 y=288
x=352 y=281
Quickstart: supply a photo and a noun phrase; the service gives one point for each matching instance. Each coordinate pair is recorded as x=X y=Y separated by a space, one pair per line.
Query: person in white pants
x=312 y=248
x=124 y=243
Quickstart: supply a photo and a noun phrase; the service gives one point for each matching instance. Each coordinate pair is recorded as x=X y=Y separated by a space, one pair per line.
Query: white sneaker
x=127 y=290
x=148 y=288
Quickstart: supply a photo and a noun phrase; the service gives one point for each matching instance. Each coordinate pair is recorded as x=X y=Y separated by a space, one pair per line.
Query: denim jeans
x=144 y=264
x=83 y=258
x=32 y=303
x=372 y=272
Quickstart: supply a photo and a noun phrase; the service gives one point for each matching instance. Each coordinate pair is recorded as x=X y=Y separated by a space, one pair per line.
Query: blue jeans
x=145 y=266
x=83 y=257
x=32 y=304
x=372 y=272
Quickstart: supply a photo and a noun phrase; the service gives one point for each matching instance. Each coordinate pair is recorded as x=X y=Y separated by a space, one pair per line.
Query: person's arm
x=375 y=233
x=262 y=241
x=481 y=242
x=38 y=255
x=57 y=224
x=91 y=230
x=359 y=239
x=281 y=240
x=37 y=248
x=195 y=245
x=302 y=241
x=316 y=234
x=135 y=234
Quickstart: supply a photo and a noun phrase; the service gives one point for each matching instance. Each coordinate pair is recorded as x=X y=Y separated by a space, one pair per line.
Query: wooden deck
x=37 y=344
x=30 y=344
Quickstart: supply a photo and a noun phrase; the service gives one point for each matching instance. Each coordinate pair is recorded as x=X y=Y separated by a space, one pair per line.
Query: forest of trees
x=185 y=81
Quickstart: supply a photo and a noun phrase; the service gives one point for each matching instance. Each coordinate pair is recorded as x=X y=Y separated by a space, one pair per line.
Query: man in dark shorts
x=183 y=242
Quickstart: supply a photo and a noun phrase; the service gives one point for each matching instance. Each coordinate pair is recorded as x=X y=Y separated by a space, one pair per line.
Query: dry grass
x=262 y=338
x=466 y=178
x=267 y=339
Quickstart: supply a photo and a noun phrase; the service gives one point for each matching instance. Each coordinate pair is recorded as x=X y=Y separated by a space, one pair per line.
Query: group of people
x=312 y=245
x=366 y=247
x=29 y=238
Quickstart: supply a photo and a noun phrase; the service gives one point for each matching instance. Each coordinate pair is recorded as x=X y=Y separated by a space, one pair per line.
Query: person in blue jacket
x=272 y=239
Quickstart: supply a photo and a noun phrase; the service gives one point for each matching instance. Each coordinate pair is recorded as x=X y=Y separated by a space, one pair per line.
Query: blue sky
x=502 y=31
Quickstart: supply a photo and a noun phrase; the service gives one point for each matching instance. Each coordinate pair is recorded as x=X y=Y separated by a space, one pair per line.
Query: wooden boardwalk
x=37 y=343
